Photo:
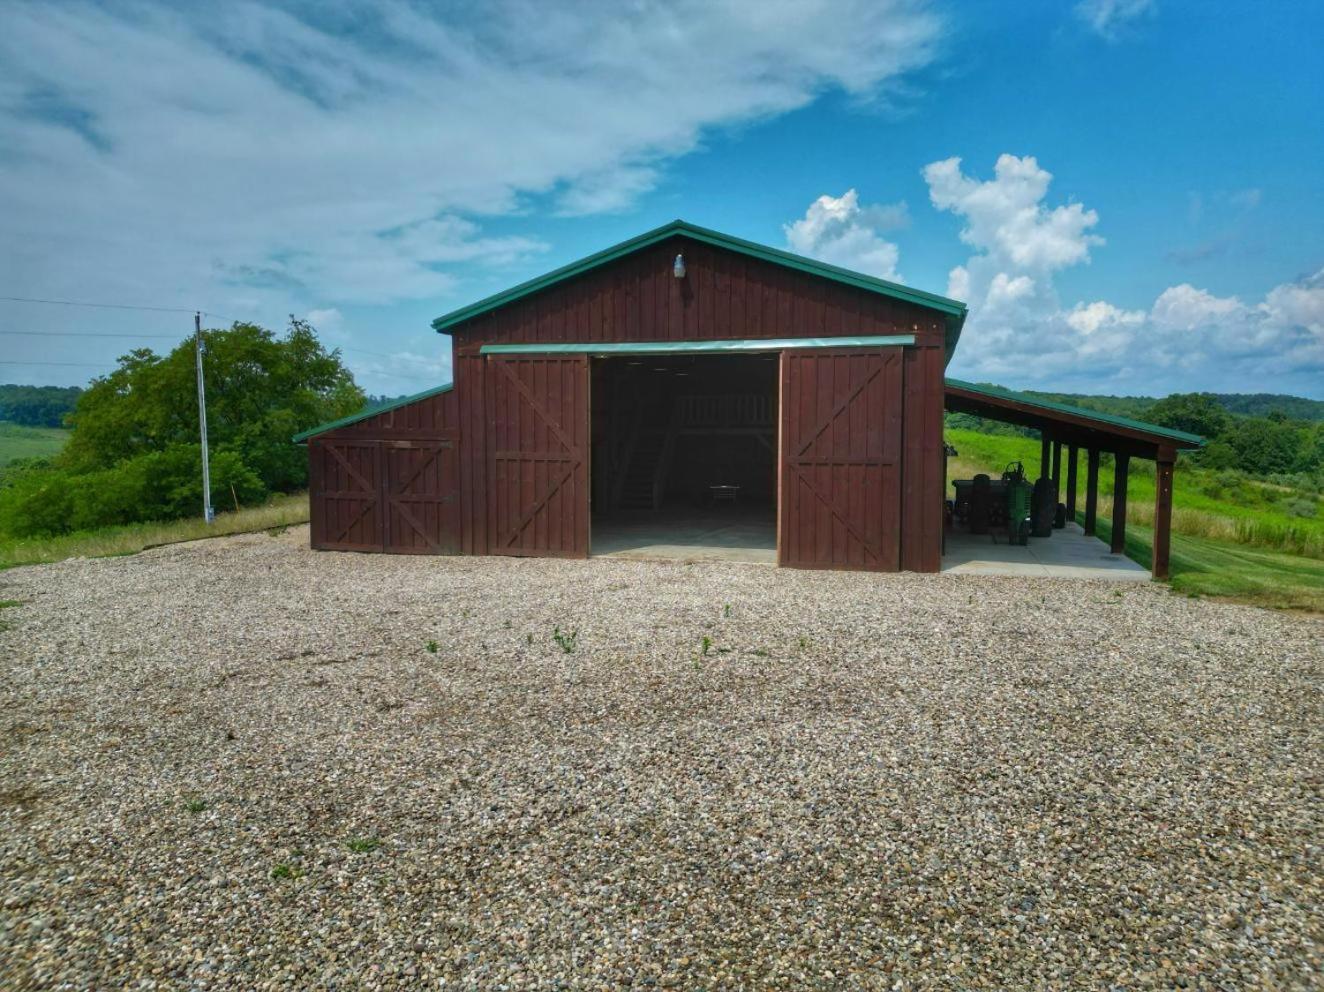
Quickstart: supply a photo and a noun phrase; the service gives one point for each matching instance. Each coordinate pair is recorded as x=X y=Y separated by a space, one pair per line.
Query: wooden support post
x=1057 y=478
x=1045 y=445
x=1073 y=455
x=1091 y=491
x=1163 y=467
x=1121 y=463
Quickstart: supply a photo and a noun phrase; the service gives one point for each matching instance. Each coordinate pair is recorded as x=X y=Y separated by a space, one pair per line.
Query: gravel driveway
x=237 y=764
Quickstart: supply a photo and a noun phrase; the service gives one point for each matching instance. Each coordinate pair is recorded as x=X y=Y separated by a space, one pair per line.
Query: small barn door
x=421 y=497
x=840 y=478
x=345 y=490
x=538 y=450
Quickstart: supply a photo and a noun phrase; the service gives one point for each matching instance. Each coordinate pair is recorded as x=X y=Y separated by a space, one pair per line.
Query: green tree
x=258 y=385
x=134 y=452
x=1263 y=445
x=1196 y=413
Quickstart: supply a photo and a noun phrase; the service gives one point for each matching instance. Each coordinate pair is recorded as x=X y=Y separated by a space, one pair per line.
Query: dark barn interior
x=684 y=452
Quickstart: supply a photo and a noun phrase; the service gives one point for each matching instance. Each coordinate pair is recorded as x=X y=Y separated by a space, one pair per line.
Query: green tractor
x=1018 y=503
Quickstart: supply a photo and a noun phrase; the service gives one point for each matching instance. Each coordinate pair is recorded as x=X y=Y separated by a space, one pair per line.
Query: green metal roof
x=953 y=309
x=998 y=393
x=733 y=346
x=354 y=418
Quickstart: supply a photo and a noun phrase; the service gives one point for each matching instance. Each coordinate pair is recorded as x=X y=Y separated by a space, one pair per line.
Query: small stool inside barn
x=684 y=456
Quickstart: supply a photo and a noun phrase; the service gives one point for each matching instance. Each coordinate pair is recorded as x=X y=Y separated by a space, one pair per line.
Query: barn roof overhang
x=364 y=414
x=1068 y=424
x=953 y=311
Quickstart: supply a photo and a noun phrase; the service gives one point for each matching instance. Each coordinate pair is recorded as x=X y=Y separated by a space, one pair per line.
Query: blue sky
x=1135 y=208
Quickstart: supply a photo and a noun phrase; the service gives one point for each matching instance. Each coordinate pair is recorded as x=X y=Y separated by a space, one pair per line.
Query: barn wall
x=723 y=295
x=390 y=482
x=922 y=460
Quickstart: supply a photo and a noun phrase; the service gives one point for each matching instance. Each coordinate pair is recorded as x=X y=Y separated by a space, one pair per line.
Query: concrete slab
x=727 y=534
x=1068 y=554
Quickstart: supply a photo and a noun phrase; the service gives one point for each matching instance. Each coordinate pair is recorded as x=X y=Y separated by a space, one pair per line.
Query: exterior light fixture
x=679 y=267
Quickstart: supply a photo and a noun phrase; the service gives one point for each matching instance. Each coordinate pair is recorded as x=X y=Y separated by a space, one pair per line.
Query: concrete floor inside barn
x=751 y=537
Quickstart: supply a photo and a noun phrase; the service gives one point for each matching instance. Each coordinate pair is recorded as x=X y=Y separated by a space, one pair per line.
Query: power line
x=86 y=334
x=114 y=306
x=104 y=306
x=81 y=365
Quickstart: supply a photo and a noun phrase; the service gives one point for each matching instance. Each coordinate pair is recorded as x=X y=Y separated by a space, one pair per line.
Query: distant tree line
x=134 y=455
x=37 y=406
x=1281 y=436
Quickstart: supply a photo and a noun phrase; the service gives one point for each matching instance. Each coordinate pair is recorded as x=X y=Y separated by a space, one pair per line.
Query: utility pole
x=207 y=512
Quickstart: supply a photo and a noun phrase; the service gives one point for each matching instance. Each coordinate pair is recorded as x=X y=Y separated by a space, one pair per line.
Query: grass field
x=17 y=441
x=282 y=511
x=1259 y=554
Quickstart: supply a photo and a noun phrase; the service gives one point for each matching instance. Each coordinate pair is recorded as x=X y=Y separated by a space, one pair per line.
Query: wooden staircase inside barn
x=644 y=479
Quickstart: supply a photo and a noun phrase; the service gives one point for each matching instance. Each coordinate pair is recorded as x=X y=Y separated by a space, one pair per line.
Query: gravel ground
x=239 y=764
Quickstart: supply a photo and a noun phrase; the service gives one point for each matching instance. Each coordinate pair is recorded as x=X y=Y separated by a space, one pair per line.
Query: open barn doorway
x=684 y=456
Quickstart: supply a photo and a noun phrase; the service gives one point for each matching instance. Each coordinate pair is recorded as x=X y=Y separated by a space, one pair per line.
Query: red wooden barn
x=682 y=383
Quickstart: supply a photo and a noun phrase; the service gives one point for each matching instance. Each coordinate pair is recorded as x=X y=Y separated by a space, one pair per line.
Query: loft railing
x=752 y=410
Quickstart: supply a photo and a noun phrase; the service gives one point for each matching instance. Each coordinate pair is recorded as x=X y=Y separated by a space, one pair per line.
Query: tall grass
x=1297 y=539
x=281 y=511
x=1259 y=527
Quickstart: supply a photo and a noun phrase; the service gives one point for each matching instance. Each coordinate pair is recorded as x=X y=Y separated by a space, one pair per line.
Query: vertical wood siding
x=345 y=479
x=723 y=295
x=538 y=455
x=841 y=455
x=390 y=482
x=507 y=450
x=922 y=469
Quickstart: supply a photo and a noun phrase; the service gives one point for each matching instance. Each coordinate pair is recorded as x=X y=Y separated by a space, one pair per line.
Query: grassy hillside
x=281 y=511
x=17 y=441
x=1231 y=536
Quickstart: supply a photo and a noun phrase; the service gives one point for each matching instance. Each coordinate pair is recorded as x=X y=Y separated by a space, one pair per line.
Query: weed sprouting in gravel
x=565 y=641
x=9 y=604
x=363 y=845
x=707 y=644
x=284 y=871
x=802 y=643
x=433 y=647
x=530 y=640
x=726 y=610
x=759 y=653
x=195 y=804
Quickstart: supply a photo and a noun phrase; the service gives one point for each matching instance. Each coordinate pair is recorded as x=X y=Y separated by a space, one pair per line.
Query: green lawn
x=1260 y=554
x=17 y=441
x=1202 y=566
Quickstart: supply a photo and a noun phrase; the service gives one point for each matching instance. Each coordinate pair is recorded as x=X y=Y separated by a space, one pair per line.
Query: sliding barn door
x=538 y=455
x=841 y=423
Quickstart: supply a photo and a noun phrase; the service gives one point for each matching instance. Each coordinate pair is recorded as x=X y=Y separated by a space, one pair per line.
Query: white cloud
x=1020 y=333
x=327 y=320
x=1107 y=17
x=1090 y=318
x=1185 y=308
x=1005 y=216
x=270 y=158
x=840 y=231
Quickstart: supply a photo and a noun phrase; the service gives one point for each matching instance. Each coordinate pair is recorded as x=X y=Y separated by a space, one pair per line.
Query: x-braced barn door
x=345 y=489
x=421 y=497
x=840 y=487
x=538 y=448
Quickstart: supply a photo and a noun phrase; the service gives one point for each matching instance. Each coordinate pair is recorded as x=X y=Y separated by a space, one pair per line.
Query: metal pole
x=207 y=512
